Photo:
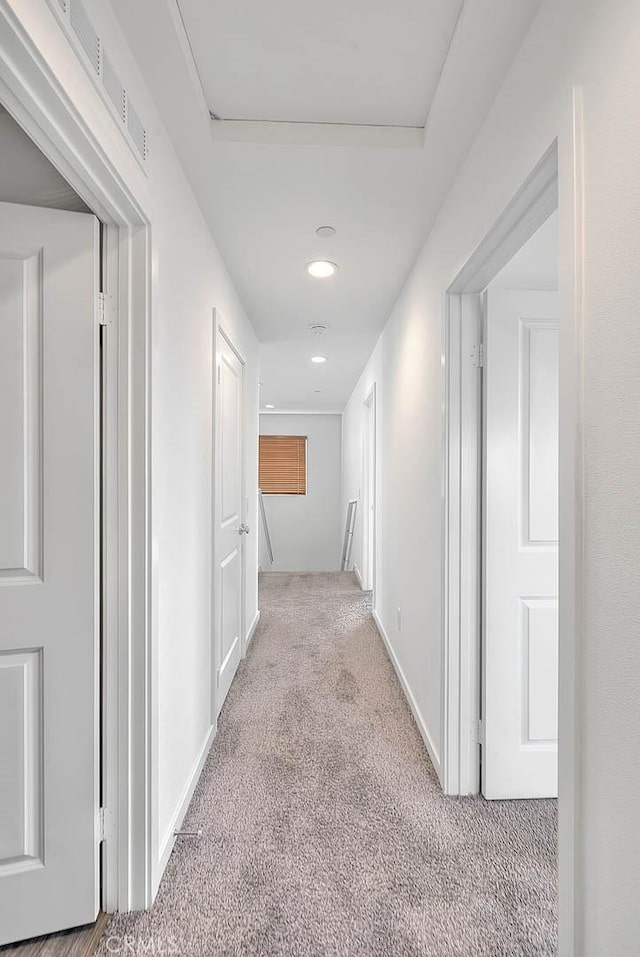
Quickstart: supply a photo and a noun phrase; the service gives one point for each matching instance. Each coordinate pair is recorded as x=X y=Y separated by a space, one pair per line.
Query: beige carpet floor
x=325 y=832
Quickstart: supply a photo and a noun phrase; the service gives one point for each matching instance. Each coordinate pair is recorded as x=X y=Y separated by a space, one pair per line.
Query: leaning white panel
x=21 y=416
x=21 y=793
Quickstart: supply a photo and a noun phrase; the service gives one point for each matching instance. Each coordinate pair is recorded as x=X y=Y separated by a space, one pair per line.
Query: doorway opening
x=76 y=254
x=500 y=645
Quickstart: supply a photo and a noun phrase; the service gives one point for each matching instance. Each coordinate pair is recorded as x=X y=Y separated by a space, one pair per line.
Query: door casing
x=41 y=107
x=557 y=180
x=462 y=500
x=369 y=493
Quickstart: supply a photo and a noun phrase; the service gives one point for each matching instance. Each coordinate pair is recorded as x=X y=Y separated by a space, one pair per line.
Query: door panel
x=20 y=413
x=520 y=640
x=229 y=531
x=49 y=605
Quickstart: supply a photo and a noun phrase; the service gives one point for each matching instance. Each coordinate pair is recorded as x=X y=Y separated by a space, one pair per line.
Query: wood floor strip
x=79 y=942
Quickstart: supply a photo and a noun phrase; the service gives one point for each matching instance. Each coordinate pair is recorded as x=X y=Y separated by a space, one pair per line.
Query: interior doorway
x=230 y=527
x=50 y=545
x=76 y=433
x=369 y=493
x=500 y=645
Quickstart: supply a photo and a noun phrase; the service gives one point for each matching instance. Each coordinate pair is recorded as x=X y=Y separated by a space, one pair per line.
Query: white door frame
x=368 y=521
x=30 y=91
x=221 y=333
x=462 y=516
x=558 y=179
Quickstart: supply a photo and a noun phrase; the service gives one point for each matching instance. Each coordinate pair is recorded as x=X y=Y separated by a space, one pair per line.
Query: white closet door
x=49 y=599
x=520 y=653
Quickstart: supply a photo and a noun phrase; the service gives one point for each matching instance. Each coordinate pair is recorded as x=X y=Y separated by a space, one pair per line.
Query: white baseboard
x=252 y=630
x=415 y=711
x=177 y=818
x=356 y=572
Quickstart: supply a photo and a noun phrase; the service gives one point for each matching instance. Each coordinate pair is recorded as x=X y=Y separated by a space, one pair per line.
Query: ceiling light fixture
x=321 y=268
x=325 y=232
x=318 y=329
x=269 y=406
x=318 y=359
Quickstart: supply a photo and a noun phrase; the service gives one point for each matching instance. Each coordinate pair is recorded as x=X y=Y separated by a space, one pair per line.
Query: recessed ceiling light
x=321 y=268
x=325 y=232
x=318 y=359
x=269 y=406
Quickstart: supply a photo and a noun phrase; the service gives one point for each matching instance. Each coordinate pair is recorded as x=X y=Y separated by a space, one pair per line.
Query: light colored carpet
x=325 y=833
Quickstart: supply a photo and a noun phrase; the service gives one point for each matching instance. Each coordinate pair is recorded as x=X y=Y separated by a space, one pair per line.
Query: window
x=283 y=464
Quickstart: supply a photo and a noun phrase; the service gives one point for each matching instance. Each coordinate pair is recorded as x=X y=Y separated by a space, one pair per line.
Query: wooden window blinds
x=283 y=464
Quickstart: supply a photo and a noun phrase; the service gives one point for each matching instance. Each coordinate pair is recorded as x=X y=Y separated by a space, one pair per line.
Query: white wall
x=188 y=280
x=591 y=46
x=26 y=175
x=535 y=266
x=305 y=529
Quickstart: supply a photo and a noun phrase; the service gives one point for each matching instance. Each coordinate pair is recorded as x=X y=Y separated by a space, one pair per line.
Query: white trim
x=368 y=529
x=317 y=134
x=169 y=839
x=572 y=504
x=530 y=207
x=301 y=411
x=356 y=572
x=461 y=566
x=415 y=711
x=251 y=632
x=32 y=92
x=462 y=413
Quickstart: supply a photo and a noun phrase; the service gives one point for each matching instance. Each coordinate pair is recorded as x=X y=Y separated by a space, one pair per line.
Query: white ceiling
x=358 y=61
x=290 y=380
x=269 y=200
x=535 y=266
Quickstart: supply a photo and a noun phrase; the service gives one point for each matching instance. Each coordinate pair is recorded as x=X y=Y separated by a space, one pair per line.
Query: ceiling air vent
x=114 y=88
x=136 y=130
x=83 y=29
x=79 y=29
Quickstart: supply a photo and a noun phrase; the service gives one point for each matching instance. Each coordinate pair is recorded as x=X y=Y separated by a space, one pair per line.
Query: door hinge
x=104 y=309
x=478 y=355
x=478 y=732
x=105 y=824
x=218 y=375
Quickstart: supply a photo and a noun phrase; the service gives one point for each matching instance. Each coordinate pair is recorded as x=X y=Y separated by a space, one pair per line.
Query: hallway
x=324 y=829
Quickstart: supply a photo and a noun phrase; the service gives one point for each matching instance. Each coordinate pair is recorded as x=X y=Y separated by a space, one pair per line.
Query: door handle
x=243 y=529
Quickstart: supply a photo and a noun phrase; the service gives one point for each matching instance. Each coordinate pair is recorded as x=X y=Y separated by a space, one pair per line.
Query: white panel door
x=520 y=651
x=230 y=527
x=48 y=570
